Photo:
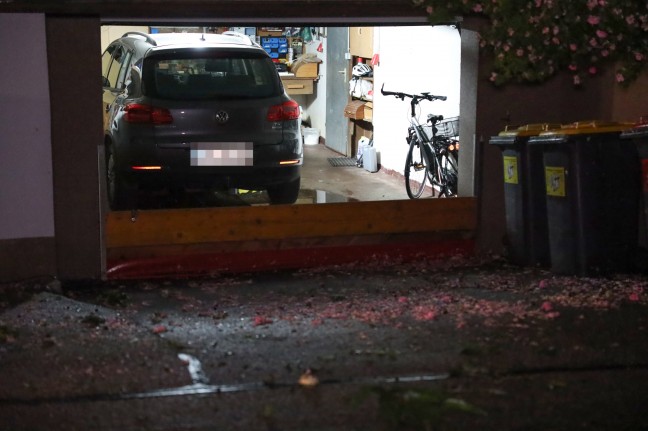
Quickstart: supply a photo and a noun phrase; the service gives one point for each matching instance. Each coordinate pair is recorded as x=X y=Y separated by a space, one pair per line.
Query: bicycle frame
x=438 y=159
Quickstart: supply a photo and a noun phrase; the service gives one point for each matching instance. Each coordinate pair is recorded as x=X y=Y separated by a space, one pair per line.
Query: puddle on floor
x=163 y=200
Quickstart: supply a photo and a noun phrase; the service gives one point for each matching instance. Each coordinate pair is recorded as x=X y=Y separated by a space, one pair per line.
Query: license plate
x=221 y=154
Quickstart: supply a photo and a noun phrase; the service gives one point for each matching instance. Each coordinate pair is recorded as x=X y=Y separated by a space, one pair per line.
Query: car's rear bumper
x=252 y=178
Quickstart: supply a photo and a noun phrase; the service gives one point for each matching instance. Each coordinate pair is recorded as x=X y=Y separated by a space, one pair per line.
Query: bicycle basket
x=448 y=127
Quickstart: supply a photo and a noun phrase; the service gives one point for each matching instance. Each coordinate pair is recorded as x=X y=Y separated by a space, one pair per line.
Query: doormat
x=342 y=161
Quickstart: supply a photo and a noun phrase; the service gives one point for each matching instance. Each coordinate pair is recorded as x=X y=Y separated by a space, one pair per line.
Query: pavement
x=455 y=344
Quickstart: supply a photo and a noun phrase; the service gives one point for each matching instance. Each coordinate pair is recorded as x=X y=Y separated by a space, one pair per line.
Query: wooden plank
x=223 y=11
x=214 y=225
x=121 y=254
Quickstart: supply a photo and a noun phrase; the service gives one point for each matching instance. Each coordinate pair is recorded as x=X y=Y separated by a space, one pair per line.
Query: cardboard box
x=354 y=110
x=368 y=111
x=305 y=70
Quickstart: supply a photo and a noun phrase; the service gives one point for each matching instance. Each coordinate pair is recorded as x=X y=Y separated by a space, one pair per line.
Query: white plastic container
x=370 y=159
x=311 y=136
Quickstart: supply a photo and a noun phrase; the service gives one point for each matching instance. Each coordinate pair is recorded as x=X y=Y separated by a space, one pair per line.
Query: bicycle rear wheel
x=443 y=175
x=415 y=170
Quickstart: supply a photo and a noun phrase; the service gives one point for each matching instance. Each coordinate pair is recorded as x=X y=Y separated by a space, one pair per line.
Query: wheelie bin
x=592 y=196
x=639 y=136
x=527 y=237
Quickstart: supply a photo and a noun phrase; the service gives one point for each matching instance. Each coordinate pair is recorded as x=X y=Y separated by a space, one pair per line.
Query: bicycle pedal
x=418 y=166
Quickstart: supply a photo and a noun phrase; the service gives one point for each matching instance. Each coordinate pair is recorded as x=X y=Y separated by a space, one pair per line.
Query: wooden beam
x=281 y=222
x=245 y=11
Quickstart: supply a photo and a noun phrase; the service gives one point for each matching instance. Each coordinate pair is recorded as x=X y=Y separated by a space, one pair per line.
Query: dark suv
x=191 y=110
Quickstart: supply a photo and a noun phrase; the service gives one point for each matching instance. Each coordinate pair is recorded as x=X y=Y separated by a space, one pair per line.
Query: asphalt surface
x=457 y=344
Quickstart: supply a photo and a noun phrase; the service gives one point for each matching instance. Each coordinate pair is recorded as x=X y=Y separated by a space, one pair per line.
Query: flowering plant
x=531 y=40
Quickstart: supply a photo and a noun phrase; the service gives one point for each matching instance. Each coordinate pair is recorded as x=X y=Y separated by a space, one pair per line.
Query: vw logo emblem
x=221 y=117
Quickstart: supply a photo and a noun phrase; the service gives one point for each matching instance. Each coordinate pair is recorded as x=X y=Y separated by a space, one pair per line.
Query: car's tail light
x=147 y=114
x=288 y=110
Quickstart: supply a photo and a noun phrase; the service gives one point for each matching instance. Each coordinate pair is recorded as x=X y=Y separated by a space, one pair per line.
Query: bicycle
x=434 y=158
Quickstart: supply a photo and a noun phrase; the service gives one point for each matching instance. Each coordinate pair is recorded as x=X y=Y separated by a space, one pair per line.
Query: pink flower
x=634 y=297
x=639 y=56
x=542 y=284
x=555 y=40
x=556 y=30
x=493 y=77
x=573 y=47
x=593 y=20
x=630 y=19
x=477 y=8
x=620 y=77
x=546 y=306
x=592 y=70
x=573 y=67
x=429 y=10
x=601 y=34
x=605 y=53
x=510 y=31
x=159 y=329
x=577 y=80
x=519 y=52
x=545 y=30
x=593 y=42
x=260 y=320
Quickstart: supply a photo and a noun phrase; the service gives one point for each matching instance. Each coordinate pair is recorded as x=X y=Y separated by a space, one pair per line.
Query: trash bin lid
x=529 y=130
x=640 y=129
x=519 y=135
x=588 y=128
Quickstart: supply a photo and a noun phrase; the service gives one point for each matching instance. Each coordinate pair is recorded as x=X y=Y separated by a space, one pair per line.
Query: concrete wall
x=26 y=182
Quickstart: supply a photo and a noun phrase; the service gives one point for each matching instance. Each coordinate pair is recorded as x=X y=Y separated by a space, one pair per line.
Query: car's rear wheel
x=121 y=194
x=286 y=193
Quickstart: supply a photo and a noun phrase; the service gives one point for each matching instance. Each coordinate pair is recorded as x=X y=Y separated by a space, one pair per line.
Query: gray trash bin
x=524 y=195
x=592 y=195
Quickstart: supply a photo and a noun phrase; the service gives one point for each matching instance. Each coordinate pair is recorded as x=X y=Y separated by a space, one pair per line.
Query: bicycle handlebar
x=417 y=97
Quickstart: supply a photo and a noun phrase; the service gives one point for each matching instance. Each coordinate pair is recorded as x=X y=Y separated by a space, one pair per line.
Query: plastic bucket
x=311 y=136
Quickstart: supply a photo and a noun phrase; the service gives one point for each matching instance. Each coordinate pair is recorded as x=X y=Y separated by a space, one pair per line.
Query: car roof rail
x=239 y=35
x=148 y=38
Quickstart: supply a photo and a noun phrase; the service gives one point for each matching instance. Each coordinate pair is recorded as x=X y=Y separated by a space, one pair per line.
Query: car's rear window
x=210 y=74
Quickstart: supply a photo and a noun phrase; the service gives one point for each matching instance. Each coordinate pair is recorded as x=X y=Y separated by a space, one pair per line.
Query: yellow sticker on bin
x=510 y=169
x=555 y=180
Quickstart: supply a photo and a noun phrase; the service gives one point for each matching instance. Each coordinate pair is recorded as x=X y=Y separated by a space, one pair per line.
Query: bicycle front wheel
x=415 y=170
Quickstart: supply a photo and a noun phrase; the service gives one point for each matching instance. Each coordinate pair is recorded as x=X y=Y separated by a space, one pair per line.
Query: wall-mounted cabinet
x=296 y=86
x=361 y=41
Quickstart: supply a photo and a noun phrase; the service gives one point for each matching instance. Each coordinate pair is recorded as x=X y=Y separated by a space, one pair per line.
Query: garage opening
x=342 y=112
x=342 y=115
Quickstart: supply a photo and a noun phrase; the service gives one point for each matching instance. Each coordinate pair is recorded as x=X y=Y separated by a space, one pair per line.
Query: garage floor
x=323 y=182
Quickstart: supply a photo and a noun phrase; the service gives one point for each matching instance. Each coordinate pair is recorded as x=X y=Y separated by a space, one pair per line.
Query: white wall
x=26 y=186
x=315 y=104
x=412 y=60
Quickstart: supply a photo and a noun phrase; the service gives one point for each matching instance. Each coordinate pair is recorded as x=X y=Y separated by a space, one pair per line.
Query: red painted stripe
x=267 y=260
